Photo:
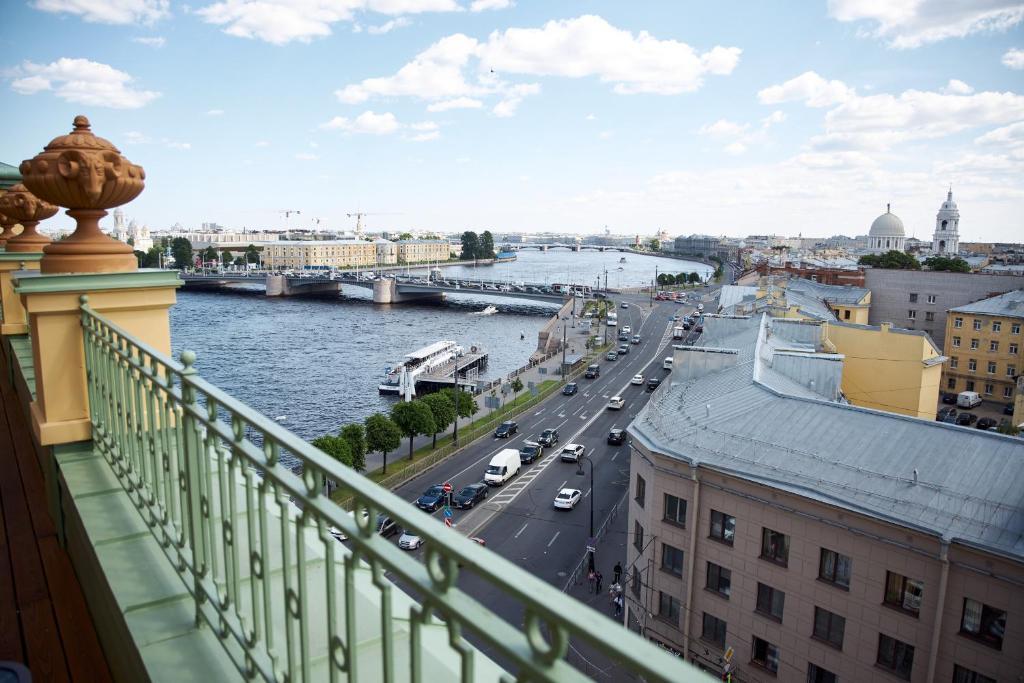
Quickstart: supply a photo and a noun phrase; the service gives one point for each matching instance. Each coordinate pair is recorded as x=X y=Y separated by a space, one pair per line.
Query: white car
x=338 y=534
x=409 y=541
x=626 y=329
x=572 y=452
x=637 y=379
x=567 y=499
x=616 y=402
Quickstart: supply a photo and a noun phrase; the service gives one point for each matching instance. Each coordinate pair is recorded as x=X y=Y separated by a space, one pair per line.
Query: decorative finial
x=82 y=124
x=188 y=358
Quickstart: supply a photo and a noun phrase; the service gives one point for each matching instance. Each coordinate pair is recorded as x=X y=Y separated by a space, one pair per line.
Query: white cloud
x=912 y=23
x=457 y=103
x=605 y=135
x=774 y=118
x=81 y=81
x=262 y=143
x=956 y=87
x=108 y=11
x=513 y=97
x=215 y=112
x=809 y=87
x=151 y=41
x=1007 y=136
x=424 y=137
x=306 y=156
x=371 y=123
x=590 y=117
x=424 y=125
x=741 y=135
x=1014 y=58
x=388 y=26
x=178 y=145
x=134 y=137
x=282 y=21
x=482 y=5
x=723 y=127
x=736 y=148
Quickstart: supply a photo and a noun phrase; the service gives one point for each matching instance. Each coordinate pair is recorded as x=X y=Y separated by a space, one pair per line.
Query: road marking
x=553 y=538
x=539 y=412
x=586 y=494
x=614 y=455
x=563 y=484
x=521 y=530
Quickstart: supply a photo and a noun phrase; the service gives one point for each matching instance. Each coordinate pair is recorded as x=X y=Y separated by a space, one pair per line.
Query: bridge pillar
x=387 y=292
x=277 y=285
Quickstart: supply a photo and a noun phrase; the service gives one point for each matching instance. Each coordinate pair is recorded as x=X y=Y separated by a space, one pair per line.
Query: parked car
x=653 y=383
x=431 y=499
x=638 y=379
x=530 y=451
x=986 y=423
x=968 y=399
x=612 y=355
x=593 y=371
x=635 y=339
x=699 y=329
x=385 y=525
x=616 y=403
x=949 y=398
x=409 y=541
x=944 y=413
x=616 y=436
x=624 y=305
x=548 y=438
x=567 y=499
x=950 y=418
x=966 y=418
x=468 y=496
x=506 y=429
x=572 y=452
x=570 y=389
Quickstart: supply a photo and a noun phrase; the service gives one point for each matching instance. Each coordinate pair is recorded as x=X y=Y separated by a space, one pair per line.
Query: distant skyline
x=720 y=118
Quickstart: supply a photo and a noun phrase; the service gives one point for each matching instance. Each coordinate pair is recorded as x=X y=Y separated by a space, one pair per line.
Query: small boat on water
x=622 y=260
x=506 y=254
x=490 y=310
x=400 y=379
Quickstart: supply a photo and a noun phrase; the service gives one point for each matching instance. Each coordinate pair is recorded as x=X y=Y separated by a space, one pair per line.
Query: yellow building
x=423 y=251
x=983 y=342
x=320 y=254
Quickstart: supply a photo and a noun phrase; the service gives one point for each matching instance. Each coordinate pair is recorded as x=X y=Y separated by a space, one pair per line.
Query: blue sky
x=724 y=118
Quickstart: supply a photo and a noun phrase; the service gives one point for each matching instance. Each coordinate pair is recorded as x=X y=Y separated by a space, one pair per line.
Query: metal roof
x=9 y=176
x=1009 y=305
x=834 y=294
x=757 y=423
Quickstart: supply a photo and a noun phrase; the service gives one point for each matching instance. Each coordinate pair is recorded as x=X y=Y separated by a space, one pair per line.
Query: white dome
x=887 y=225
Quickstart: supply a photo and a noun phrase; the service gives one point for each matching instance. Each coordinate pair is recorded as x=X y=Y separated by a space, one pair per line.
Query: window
x=913 y=298
x=954 y=362
x=991 y=367
x=956 y=341
x=1015 y=328
x=993 y=346
x=634 y=584
x=969 y=385
x=977 y=324
x=903 y=593
x=834 y=568
x=638 y=536
x=723 y=527
x=770 y=601
x=974 y=344
x=846 y=314
x=929 y=316
x=951 y=383
x=815 y=674
x=829 y=627
x=719 y=580
x=641 y=490
x=1013 y=349
x=774 y=546
x=675 y=510
x=765 y=655
x=1011 y=370
x=983 y=623
x=972 y=364
x=931 y=298
x=958 y=322
x=1007 y=392
x=671 y=560
x=912 y=314
x=895 y=655
x=997 y=326
x=713 y=630
x=989 y=388
x=668 y=608
x=964 y=675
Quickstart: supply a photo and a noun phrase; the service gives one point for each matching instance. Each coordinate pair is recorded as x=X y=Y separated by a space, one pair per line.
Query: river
x=314 y=364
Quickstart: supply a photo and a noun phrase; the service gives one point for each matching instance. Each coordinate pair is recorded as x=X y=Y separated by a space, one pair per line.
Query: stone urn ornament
x=21 y=206
x=7 y=225
x=88 y=175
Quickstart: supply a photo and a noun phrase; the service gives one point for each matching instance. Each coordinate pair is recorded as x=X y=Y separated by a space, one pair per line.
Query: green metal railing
x=205 y=472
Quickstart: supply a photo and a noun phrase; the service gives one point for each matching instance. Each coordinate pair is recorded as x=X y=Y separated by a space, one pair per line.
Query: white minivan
x=667 y=363
x=968 y=399
x=503 y=467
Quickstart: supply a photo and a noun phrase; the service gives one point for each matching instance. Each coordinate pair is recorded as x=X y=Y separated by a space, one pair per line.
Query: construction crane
x=358 y=215
x=287 y=224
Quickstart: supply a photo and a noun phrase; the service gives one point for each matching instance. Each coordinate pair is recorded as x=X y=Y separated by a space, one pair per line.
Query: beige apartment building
x=801 y=538
x=320 y=254
x=423 y=251
x=984 y=342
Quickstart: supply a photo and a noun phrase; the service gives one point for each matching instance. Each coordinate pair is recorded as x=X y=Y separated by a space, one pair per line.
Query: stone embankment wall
x=548 y=338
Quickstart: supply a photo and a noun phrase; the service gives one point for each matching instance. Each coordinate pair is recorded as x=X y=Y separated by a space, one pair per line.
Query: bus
x=613 y=320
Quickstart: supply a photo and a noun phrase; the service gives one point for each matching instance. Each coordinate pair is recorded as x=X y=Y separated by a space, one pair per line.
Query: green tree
x=442 y=409
x=413 y=418
x=466 y=405
x=239 y=261
x=355 y=436
x=382 y=435
x=131 y=241
x=336 y=447
x=470 y=245
x=654 y=244
x=486 y=245
x=693 y=278
x=517 y=386
x=143 y=258
x=953 y=265
x=681 y=278
x=890 y=260
x=1008 y=429
x=252 y=254
x=210 y=254
x=225 y=258
x=405 y=236
x=665 y=279
x=181 y=250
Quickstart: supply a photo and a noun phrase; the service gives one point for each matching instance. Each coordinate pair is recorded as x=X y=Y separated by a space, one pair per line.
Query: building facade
x=422 y=251
x=324 y=254
x=698 y=245
x=887 y=233
x=946 y=240
x=984 y=342
x=919 y=299
x=823 y=274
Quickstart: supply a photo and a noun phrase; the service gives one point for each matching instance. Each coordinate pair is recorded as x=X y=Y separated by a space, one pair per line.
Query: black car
x=506 y=429
x=470 y=495
x=593 y=371
x=431 y=499
x=699 y=329
x=944 y=413
x=949 y=398
x=530 y=451
x=385 y=525
x=548 y=438
x=687 y=325
x=986 y=423
x=966 y=418
x=653 y=383
x=616 y=436
x=570 y=389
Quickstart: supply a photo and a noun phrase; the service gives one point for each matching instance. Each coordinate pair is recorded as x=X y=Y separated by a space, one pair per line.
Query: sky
x=727 y=118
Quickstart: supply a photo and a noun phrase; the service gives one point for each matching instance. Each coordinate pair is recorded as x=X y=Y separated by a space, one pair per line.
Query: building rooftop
x=833 y=294
x=768 y=418
x=1009 y=305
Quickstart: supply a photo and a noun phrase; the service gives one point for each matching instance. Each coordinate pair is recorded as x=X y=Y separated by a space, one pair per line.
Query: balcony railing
x=252 y=542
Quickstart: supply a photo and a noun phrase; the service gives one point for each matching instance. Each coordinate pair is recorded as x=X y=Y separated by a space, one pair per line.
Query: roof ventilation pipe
x=707 y=409
x=915 y=476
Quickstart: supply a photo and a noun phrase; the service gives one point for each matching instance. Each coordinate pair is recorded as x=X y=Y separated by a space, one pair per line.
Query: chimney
x=885 y=327
x=915 y=476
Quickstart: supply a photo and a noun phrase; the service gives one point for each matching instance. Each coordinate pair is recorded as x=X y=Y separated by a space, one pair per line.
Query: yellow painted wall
x=884 y=370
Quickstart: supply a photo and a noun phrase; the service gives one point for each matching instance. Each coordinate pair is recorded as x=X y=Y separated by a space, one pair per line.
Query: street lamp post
x=456 y=396
x=592 y=543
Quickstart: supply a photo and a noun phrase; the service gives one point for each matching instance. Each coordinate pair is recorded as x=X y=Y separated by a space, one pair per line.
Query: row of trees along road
x=898 y=260
x=379 y=433
x=184 y=256
x=477 y=246
x=678 y=278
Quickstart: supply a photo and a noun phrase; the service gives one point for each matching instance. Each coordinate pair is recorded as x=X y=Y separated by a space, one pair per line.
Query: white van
x=503 y=467
x=968 y=399
x=667 y=363
x=612 y=320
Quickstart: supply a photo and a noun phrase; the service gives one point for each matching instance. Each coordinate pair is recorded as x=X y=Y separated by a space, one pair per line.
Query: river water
x=314 y=364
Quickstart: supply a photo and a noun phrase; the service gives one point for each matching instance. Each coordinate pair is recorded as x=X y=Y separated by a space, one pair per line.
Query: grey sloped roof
x=839 y=294
x=1010 y=305
x=775 y=431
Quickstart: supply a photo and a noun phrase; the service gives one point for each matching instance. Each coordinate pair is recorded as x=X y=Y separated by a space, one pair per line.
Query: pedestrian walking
x=618 y=573
x=597 y=578
x=591 y=578
x=618 y=605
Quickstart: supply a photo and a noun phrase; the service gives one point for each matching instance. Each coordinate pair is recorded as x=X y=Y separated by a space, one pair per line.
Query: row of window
x=972 y=366
x=988 y=388
x=913 y=298
x=929 y=316
x=997 y=325
x=993 y=346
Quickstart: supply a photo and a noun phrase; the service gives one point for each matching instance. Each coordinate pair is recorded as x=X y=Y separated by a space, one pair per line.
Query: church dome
x=887 y=225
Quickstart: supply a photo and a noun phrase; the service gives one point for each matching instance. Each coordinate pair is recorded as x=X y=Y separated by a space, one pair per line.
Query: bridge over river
x=392 y=289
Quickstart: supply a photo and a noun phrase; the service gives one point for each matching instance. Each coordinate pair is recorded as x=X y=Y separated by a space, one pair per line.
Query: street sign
x=447 y=488
x=531 y=385
x=448 y=512
x=448 y=522
x=542 y=370
x=728 y=655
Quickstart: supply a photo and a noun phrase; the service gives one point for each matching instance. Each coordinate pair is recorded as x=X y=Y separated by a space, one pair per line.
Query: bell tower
x=946 y=240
